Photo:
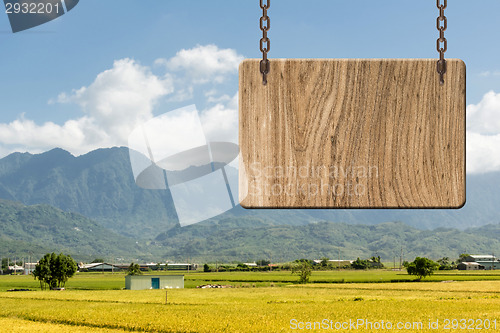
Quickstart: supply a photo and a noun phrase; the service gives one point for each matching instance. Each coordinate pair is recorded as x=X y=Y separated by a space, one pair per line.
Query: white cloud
x=220 y=99
x=483 y=134
x=204 y=64
x=220 y=122
x=483 y=153
x=123 y=97
x=489 y=73
x=484 y=117
x=117 y=100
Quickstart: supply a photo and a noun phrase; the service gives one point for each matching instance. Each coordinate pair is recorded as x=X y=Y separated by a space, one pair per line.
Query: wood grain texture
x=352 y=133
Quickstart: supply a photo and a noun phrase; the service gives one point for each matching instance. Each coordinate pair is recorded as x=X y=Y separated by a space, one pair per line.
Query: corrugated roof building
x=142 y=282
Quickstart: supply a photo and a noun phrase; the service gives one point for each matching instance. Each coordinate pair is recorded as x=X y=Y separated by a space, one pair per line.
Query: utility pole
x=401 y=259
x=338 y=262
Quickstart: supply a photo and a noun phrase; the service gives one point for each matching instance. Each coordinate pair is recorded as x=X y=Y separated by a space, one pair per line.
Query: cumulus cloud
x=483 y=134
x=489 y=73
x=125 y=96
x=204 y=64
x=117 y=100
x=76 y=135
x=484 y=117
x=483 y=152
x=220 y=122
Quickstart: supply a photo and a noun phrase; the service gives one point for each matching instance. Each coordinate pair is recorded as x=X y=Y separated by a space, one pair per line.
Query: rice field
x=250 y=307
x=116 y=281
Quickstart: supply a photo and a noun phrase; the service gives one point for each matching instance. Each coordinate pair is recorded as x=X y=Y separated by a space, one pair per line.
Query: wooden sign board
x=352 y=134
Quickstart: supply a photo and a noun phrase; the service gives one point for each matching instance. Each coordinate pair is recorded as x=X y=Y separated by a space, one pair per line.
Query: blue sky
x=69 y=53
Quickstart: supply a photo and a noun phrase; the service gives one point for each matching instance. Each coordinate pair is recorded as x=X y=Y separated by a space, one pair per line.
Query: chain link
x=442 y=43
x=265 y=43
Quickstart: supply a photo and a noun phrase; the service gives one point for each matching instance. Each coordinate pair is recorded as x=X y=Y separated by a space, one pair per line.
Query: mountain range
x=38 y=229
x=98 y=189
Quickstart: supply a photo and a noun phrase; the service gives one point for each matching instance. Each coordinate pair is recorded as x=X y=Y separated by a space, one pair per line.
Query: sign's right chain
x=265 y=43
x=441 y=64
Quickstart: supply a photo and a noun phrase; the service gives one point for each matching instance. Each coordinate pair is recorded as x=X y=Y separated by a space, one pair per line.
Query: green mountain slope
x=226 y=241
x=41 y=228
x=35 y=230
x=100 y=185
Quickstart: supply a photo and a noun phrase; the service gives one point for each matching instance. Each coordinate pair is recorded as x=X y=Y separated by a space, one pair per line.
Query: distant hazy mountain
x=36 y=230
x=226 y=240
x=100 y=185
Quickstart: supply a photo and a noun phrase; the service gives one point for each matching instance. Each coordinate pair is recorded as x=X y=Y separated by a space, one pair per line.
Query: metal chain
x=441 y=64
x=265 y=43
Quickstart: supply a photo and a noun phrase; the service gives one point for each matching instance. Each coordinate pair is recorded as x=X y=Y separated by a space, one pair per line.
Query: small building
x=15 y=269
x=181 y=267
x=479 y=257
x=250 y=264
x=100 y=267
x=29 y=267
x=469 y=266
x=142 y=282
x=341 y=262
x=487 y=261
x=335 y=262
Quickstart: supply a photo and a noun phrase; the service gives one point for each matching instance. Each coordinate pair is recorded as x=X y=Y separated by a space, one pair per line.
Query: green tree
x=376 y=262
x=64 y=269
x=134 y=269
x=360 y=264
x=445 y=264
x=97 y=261
x=421 y=267
x=262 y=262
x=5 y=266
x=303 y=270
x=242 y=266
x=462 y=257
x=42 y=271
x=53 y=271
x=206 y=268
x=324 y=262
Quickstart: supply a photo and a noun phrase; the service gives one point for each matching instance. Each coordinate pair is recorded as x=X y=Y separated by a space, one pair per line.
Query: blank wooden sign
x=352 y=134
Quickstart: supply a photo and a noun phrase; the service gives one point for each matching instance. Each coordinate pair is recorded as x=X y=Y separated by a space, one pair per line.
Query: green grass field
x=116 y=281
x=260 y=302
